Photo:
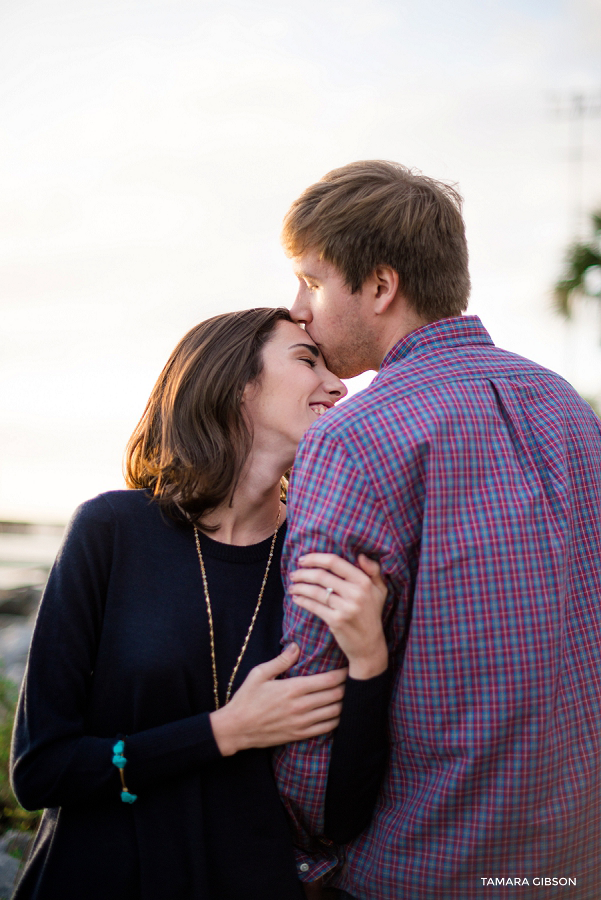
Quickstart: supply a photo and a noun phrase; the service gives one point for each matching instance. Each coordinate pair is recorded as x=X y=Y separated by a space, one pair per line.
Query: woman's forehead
x=294 y=334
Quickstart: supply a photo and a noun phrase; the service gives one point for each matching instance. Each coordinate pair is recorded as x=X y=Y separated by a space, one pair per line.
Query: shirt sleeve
x=332 y=509
x=55 y=761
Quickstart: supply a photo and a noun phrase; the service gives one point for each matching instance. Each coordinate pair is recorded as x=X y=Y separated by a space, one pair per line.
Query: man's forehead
x=311 y=265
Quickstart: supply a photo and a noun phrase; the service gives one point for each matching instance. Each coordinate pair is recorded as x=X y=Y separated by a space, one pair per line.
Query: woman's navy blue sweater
x=121 y=649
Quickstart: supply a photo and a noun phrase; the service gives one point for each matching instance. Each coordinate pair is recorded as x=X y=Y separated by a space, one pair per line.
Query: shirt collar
x=455 y=332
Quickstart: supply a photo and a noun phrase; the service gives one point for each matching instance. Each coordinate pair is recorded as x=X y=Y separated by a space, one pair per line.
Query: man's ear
x=385 y=286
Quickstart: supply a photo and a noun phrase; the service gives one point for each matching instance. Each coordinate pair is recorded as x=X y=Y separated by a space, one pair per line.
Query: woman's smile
x=319 y=408
x=294 y=389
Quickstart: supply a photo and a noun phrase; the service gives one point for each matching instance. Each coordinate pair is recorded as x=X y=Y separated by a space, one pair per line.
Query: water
x=26 y=555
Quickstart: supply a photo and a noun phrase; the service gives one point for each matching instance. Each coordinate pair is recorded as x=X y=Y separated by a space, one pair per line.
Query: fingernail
x=291 y=648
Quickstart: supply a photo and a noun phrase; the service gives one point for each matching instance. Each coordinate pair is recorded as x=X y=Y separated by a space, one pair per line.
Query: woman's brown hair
x=191 y=444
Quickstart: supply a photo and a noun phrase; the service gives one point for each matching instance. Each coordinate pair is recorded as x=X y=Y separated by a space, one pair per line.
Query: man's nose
x=300 y=309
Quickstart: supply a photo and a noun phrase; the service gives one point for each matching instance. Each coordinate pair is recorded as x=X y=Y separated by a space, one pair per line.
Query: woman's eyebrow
x=310 y=347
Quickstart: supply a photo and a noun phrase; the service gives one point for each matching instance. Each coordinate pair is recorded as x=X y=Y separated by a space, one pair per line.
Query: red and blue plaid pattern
x=474 y=476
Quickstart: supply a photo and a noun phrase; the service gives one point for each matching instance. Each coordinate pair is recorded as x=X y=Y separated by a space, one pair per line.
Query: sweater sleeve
x=55 y=761
x=358 y=758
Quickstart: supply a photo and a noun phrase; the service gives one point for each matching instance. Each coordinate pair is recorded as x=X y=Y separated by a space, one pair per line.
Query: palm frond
x=579 y=258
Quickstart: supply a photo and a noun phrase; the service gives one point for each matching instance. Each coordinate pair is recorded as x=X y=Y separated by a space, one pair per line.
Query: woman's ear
x=249 y=391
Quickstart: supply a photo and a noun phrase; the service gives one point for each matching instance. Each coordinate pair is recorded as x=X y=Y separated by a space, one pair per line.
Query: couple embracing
x=435 y=709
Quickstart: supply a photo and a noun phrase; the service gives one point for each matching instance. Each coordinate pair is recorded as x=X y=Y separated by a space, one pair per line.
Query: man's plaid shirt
x=474 y=476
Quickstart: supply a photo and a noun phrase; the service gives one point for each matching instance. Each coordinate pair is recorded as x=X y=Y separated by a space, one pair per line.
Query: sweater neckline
x=241 y=553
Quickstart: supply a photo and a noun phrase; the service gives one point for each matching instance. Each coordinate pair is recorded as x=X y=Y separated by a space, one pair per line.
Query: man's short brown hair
x=373 y=213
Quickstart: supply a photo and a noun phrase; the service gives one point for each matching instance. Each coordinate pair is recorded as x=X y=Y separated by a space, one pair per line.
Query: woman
x=164 y=603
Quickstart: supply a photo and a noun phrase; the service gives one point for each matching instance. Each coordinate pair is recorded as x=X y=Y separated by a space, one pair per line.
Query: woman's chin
x=287 y=465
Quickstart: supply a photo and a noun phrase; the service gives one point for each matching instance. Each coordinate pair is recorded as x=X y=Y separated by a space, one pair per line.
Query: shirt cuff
x=320 y=862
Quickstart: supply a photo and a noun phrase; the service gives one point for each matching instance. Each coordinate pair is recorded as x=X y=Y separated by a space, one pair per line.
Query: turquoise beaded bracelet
x=120 y=761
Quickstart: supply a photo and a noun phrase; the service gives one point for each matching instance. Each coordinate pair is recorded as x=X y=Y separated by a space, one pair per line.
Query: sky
x=150 y=150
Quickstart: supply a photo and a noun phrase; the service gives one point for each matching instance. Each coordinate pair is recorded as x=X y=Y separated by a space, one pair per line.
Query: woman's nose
x=340 y=390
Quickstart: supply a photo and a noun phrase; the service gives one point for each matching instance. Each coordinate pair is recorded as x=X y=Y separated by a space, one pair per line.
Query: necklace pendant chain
x=210 y=615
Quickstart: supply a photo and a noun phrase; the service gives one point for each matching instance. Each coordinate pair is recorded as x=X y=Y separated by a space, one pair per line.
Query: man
x=474 y=477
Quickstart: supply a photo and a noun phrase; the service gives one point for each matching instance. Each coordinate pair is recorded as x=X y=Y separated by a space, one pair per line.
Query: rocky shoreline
x=26 y=555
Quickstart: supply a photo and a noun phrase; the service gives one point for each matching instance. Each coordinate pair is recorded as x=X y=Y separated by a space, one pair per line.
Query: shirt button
x=304 y=867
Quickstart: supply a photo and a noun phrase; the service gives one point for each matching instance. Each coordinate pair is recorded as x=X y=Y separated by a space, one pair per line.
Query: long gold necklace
x=210 y=614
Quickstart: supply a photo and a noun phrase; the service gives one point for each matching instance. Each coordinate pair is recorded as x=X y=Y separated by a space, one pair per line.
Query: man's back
x=475 y=477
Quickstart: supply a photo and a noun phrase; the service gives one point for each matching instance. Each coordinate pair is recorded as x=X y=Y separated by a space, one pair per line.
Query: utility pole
x=576 y=109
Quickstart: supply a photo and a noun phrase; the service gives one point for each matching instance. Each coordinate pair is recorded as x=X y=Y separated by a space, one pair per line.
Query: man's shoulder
x=472 y=362
x=417 y=392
